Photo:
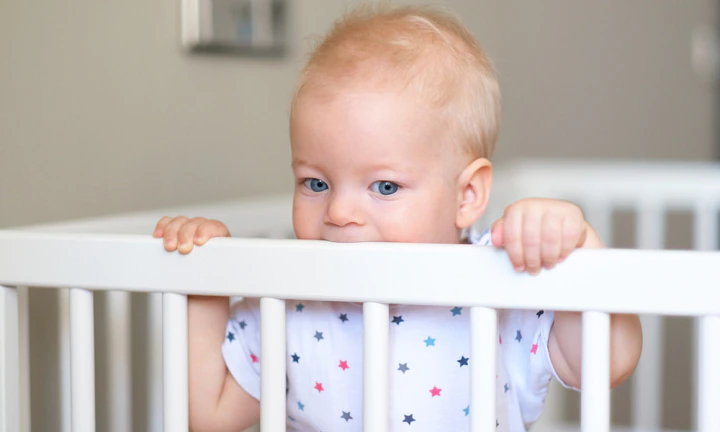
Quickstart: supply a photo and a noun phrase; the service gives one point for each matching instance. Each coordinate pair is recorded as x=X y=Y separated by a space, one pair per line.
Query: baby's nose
x=343 y=210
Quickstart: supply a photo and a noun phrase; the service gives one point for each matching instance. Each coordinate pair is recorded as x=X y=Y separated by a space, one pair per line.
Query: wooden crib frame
x=105 y=255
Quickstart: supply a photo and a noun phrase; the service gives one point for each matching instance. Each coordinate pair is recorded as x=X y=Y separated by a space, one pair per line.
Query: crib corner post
x=9 y=360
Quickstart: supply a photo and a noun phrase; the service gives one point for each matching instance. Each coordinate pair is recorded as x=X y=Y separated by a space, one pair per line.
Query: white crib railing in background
x=249 y=268
x=601 y=188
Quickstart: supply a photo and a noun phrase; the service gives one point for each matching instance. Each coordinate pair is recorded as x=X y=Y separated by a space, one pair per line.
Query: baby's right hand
x=181 y=233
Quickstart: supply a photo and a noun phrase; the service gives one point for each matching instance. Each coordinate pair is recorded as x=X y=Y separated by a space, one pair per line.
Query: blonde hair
x=419 y=47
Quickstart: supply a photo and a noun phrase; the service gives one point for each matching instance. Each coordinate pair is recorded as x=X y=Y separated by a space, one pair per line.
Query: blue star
x=506 y=387
x=403 y=367
x=397 y=320
x=467 y=410
x=429 y=342
x=301 y=407
x=346 y=416
x=539 y=313
x=296 y=358
x=318 y=335
x=456 y=311
x=242 y=324
x=299 y=307
x=230 y=336
x=519 y=336
x=343 y=317
x=408 y=419
x=291 y=418
x=463 y=361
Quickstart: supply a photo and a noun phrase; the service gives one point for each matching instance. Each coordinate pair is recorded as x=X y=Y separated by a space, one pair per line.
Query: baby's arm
x=539 y=233
x=217 y=402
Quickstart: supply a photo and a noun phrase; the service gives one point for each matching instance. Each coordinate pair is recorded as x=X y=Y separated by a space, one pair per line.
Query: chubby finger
x=496 y=232
x=209 y=229
x=186 y=235
x=531 y=239
x=570 y=237
x=160 y=227
x=170 y=236
x=512 y=239
x=551 y=241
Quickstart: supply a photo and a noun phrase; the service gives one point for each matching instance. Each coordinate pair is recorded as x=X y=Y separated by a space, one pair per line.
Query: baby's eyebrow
x=300 y=162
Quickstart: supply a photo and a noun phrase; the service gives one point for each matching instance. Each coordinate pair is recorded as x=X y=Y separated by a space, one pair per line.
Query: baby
x=392 y=123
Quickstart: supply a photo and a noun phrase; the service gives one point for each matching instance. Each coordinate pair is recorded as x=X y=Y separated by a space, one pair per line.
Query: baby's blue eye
x=316 y=185
x=385 y=187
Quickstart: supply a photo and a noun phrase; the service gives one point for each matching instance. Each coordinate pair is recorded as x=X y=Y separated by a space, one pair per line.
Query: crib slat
x=483 y=346
x=119 y=361
x=175 y=363
x=709 y=373
x=82 y=360
x=154 y=362
x=376 y=338
x=595 y=408
x=24 y=356
x=64 y=358
x=272 y=369
x=705 y=238
x=9 y=361
x=647 y=379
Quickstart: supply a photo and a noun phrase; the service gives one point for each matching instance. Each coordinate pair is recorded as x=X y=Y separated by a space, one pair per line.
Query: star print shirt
x=429 y=364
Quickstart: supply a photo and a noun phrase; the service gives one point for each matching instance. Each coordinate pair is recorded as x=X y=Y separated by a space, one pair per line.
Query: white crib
x=116 y=254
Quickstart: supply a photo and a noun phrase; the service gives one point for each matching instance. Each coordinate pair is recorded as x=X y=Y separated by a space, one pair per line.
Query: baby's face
x=372 y=167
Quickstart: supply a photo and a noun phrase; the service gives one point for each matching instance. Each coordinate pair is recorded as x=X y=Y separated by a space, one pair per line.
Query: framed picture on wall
x=234 y=26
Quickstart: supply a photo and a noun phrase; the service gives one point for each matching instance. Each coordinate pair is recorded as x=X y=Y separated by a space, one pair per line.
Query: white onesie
x=429 y=364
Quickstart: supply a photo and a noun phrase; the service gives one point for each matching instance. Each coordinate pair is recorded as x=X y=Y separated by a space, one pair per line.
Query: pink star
x=534 y=349
x=318 y=387
x=435 y=391
x=343 y=365
x=253 y=357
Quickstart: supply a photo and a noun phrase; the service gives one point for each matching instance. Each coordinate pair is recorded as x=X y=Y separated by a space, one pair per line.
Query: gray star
x=403 y=367
x=519 y=336
x=318 y=335
x=346 y=416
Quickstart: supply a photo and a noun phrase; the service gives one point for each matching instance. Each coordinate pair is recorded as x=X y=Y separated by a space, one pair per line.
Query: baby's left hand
x=540 y=233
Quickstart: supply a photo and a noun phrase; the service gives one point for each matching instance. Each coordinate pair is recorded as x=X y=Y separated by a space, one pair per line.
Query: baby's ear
x=474 y=186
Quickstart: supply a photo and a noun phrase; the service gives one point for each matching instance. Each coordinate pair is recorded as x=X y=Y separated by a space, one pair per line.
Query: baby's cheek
x=408 y=227
x=305 y=221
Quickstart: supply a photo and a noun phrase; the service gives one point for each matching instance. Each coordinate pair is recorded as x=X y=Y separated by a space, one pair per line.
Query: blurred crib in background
x=123 y=340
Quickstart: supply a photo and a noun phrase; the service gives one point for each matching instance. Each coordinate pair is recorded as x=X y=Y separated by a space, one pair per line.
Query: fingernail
x=199 y=239
x=520 y=268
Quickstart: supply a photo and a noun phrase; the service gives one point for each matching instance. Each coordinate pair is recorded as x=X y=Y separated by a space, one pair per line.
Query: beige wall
x=101 y=111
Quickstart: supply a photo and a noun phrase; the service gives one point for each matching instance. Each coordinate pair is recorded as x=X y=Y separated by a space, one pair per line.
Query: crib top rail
x=621 y=281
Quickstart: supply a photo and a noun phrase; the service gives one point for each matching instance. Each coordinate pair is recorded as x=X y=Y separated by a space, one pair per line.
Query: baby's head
x=393 y=120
